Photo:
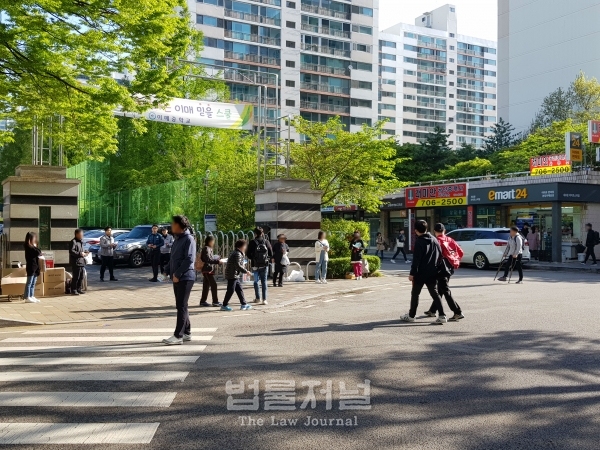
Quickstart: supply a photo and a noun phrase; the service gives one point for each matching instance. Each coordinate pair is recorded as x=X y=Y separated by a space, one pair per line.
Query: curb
x=552 y=268
x=17 y=323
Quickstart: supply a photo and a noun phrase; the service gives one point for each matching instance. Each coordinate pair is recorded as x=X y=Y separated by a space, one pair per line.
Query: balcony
x=249 y=77
x=326 y=50
x=469 y=110
x=431 y=105
x=470 y=98
x=438 y=82
x=250 y=98
x=268 y=2
x=431 y=117
x=469 y=87
x=253 y=58
x=428 y=129
x=252 y=17
x=428 y=92
x=470 y=121
x=324 y=69
x=431 y=45
x=430 y=57
x=326 y=30
x=319 y=87
x=430 y=69
x=470 y=133
x=326 y=12
x=470 y=52
x=469 y=64
x=473 y=76
x=252 y=38
x=325 y=107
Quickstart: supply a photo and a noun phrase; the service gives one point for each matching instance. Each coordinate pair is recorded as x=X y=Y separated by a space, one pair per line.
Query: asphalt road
x=521 y=371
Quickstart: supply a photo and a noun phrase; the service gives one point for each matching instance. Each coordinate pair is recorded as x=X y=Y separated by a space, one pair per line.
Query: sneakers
x=441 y=320
x=31 y=300
x=35 y=300
x=407 y=318
x=257 y=300
x=520 y=282
x=264 y=302
x=502 y=279
x=153 y=280
x=582 y=263
x=594 y=264
x=318 y=281
x=407 y=262
x=245 y=307
x=217 y=305
x=429 y=314
x=393 y=261
x=114 y=279
x=187 y=337
x=226 y=308
x=456 y=317
x=204 y=304
x=75 y=293
x=173 y=340
x=101 y=279
x=324 y=282
x=358 y=278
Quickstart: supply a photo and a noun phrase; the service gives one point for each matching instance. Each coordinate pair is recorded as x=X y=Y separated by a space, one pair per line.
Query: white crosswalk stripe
x=47 y=346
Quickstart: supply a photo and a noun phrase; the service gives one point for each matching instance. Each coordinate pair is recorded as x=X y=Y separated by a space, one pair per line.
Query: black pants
x=443 y=287
x=77 y=282
x=400 y=250
x=209 y=283
x=590 y=252
x=234 y=286
x=182 y=291
x=155 y=259
x=108 y=262
x=431 y=284
x=279 y=271
x=164 y=261
x=517 y=266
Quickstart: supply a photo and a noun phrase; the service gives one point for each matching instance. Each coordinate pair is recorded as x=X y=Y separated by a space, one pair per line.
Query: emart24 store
x=558 y=205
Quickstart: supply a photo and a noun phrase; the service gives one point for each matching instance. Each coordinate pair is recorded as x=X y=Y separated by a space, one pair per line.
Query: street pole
x=259 y=89
x=287 y=158
x=206 y=191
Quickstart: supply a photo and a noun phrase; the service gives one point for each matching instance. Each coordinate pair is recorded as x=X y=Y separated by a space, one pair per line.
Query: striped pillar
x=40 y=197
x=291 y=207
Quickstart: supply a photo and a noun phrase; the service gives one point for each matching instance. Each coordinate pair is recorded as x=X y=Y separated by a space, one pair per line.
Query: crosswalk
x=30 y=358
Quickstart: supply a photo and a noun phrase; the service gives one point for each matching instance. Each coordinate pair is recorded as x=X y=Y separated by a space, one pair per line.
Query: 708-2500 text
x=442 y=202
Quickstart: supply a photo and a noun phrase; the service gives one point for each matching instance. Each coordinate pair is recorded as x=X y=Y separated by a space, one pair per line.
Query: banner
x=549 y=165
x=443 y=195
x=594 y=131
x=574 y=146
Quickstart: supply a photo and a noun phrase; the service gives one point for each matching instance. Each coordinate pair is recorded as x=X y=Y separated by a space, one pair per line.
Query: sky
x=477 y=18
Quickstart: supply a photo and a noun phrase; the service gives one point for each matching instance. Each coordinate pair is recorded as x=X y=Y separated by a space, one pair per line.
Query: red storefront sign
x=443 y=195
x=549 y=164
x=594 y=131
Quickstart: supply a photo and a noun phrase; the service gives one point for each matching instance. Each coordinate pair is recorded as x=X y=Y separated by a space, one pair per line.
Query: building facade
x=542 y=46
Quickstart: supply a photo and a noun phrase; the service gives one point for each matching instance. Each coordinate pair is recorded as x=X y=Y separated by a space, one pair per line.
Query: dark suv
x=133 y=250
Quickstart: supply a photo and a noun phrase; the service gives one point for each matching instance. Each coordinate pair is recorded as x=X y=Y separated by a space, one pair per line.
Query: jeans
x=234 y=286
x=357 y=267
x=279 y=271
x=182 y=290
x=590 y=252
x=377 y=253
x=209 y=282
x=30 y=286
x=444 y=291
x=321 y=269
x=155 y=258
x=107 y=262
x=515 y=263
x=431 y=284
x=260 y=274
x=77 y=281
x=400 y=250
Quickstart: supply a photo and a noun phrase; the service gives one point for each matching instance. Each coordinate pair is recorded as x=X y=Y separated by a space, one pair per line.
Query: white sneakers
x=264 y=302
x=187 y=337
x=441 y=320
x=173 y=340
x=32 y=300
x=321 y=281
x=358 y=278
x=407 y=318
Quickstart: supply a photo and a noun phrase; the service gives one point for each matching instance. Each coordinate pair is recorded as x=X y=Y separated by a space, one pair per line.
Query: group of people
x=400 y=244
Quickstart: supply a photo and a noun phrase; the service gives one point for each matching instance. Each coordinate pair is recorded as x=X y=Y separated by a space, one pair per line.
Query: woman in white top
x=321 y=256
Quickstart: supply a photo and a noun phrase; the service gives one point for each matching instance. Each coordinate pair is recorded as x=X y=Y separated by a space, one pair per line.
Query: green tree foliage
x=347 y=167
x=502 y=137
x=340 y=231
x=15 y=153
x=556 y=107
x=586 y=98
x=472 y=168
x=57 y=58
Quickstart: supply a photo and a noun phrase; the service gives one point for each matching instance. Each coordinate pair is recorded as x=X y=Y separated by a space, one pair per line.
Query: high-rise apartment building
x=318 y=58
x=430 y=76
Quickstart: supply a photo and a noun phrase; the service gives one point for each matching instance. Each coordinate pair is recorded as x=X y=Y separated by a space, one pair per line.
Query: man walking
x=165 y=250
x=260 y=254
x=107 y=248
x=77 y=261
x=514 y=251
x=591 y=240
x=424 y=272
x=154 y=242
x=400 y=243
x=233 y=269
x=181 y=269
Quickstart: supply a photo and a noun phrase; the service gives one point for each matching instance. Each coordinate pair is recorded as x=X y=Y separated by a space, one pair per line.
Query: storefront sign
x=394 y=204
x=514 y=194
x=443 y=195
x=470 y=217
x=594 y=132
x=210 y=223
x=574 y=146
x=549 y=165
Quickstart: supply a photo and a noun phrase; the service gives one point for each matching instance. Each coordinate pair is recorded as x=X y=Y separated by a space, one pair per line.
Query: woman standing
x=357 y=247
x=208 y=272
x=280 y=256
x=380 y=245
x=32 y=258
x=534 y=242
x=322 y=257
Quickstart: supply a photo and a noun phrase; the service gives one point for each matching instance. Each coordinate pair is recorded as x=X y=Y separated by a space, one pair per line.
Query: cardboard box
x=54 y=289
x=56 y=275
x=38 y=292
x=13 y=284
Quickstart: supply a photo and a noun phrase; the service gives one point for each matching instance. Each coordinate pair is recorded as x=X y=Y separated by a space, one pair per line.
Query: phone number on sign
x=550 y=170
x=442 y=201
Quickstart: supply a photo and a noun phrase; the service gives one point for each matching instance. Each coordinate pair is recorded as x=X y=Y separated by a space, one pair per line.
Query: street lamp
x=207 y=174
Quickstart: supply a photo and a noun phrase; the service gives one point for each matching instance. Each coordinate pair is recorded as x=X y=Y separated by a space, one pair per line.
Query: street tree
x=586 y=97
x=556 y=107
x=501 y=137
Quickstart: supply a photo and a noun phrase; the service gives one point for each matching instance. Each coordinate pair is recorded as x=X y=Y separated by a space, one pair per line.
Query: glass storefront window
x=453 y=218
x=488 y=217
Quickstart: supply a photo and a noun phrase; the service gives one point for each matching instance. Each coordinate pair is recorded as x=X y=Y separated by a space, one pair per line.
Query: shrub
x=339 y=267
x=339 y=232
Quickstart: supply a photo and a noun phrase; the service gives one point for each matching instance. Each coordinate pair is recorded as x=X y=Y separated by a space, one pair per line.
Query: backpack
x=261 y=254
x=450 y=254
x=198 y=264
x=596 y=238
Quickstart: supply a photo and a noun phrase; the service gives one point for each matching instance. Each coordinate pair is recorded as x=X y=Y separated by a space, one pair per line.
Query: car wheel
x=137 y=259
x=481 y=261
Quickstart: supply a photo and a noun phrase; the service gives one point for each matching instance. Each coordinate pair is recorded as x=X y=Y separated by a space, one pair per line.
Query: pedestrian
x=591 y=240
x=181 y=270
x=357 y=247
x=427 y=257
x=321 y=257
x=260 y=255
x=380 y=241
x=452 y=254
x=534 y=242
x=32 y=260
x=209 y=267
x=525 y=231
x=154 y=242
x=107 y=248
x=400 y=243
x=281 y=258
x=235 y=267
x=77 y=261
x=165 y=250
x=514 y=251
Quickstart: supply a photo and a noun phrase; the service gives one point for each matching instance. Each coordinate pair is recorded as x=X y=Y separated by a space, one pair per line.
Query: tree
x=586 y=97
x=474 y=168
x=501 y=137
x=435 y=152
x=347 y=167
x=57 y=58
x=556 y=107
x=15 y=153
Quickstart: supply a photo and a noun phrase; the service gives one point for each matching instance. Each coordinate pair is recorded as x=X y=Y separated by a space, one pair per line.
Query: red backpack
x=449 y=253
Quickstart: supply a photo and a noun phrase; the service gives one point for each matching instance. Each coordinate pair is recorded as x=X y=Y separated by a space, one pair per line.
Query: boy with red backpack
x=452 y=254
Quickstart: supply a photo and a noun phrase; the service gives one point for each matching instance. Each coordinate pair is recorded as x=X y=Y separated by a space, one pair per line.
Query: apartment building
x=430 y=76
x=316 y=58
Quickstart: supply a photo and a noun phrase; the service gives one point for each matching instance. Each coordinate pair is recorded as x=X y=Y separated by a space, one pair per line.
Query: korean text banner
x=549 y=165
x=200 y=114
x=443 y=195
x=594 y=131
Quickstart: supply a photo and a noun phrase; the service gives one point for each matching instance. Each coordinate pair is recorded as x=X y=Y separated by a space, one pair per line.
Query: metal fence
x=224 y=245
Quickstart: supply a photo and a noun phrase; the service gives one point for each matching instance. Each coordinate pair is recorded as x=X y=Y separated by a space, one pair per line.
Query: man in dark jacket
x=590 y=243
x=77 y=261
x=181 y=269
x=235 y=267
x=154 y=242
x=260 y=254
x=424 y=271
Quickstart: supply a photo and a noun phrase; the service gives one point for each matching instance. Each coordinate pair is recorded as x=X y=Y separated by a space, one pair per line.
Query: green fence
x=126 y=209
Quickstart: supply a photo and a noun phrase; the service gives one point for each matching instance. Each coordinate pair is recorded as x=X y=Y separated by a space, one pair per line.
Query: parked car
x=92 y=237
x=484 y=246
x=133 y=250
x=95 y=249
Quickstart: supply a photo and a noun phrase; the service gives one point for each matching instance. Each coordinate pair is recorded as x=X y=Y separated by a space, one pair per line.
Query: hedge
x=339 y=267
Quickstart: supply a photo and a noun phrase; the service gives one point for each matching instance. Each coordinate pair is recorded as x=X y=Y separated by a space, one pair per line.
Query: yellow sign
x=574 y=146
x=551 y=170
x=510 y=194
x=456 y=201
x=576 y=155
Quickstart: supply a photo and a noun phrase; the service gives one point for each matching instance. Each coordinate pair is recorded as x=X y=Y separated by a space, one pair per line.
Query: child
x=365 y=267
x=32 y=258
x=235 y=267
x=357 y=247
x=280 y=252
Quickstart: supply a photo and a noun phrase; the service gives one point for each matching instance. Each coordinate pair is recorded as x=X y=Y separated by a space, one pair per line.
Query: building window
x=451 y=95
x=290 y=103
x=361 y=103
x=291 y=5
x=452 y=83
x=452 y=9
x=388 y=56
x=452 y=47
x=450 y=142
x=211 y=2
x=209 y=20
x=362 y=29
x=362 y=48
x=356 y=84
x=451 y=59
x=290 y=24
x=360 y=121
x=387 y=44
x=290 y=83
x=451 y=107
x=290 y=44
x=451 y=34
x=289 y=63
x=452 y=72
x=451 y=119
x=362 y=66
x=450 y=131
x=362 y=10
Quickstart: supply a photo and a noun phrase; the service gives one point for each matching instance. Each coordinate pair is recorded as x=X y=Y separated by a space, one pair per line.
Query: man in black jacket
x=423 y=272
x=590 y=243
x=77 y=261
x=260 y=254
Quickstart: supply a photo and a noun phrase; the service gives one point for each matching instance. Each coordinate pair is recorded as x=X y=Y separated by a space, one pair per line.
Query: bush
x=339 y=267
x=339 y=232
